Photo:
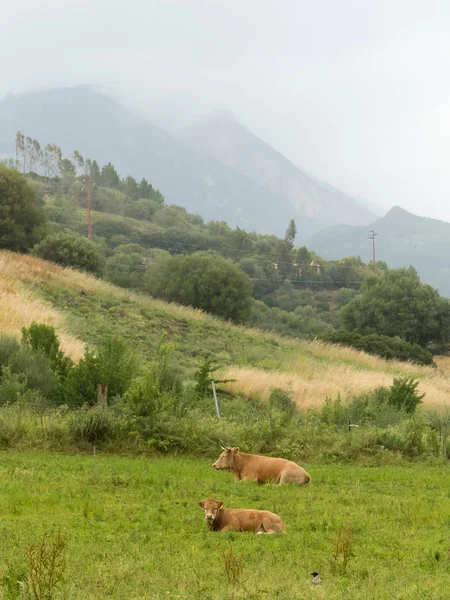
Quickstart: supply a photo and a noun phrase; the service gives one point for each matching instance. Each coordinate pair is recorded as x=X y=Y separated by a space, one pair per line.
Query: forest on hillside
x=138 y=242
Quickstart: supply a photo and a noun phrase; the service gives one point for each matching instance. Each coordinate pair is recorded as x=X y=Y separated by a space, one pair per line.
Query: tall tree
x=109 y=176
x=130 y=188
x=36 y=155
x=67 y=167
x=20 y=146
x=51 y=160
x=285 y=252
x=78 y=161
x=145 y=189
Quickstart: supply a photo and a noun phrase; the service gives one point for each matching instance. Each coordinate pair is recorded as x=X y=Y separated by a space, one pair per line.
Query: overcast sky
x=353 y=91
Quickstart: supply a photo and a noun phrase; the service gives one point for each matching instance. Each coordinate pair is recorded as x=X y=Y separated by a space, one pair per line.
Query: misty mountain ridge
x=403 y=239
x=223 y=137
x=261 y=193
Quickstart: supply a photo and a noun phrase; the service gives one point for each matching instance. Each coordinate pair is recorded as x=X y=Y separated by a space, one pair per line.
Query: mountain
x=315 y=204
x=205 y=182
x=402 y=239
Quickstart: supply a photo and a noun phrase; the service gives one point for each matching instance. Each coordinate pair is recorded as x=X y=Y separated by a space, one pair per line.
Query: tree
x=51 y=159
x=130 y=188
x=145 y=189
x=20 y=146
x=71 y=250
x=396 y=303
x=67 y=167
x=285 y=252
x=22 y=220
x=78 y=161
x=109 y=176
x=205 y=281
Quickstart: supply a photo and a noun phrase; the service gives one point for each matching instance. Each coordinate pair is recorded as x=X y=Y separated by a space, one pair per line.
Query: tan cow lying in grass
x=240 y=519
x=261 y=468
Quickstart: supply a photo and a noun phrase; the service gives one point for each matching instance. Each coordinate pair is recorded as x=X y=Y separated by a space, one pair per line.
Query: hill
x=214 y=186
x=224 y=138
x=403 y=239
x=83 y=309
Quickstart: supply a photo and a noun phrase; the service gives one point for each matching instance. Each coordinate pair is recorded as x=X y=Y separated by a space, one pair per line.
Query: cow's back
x=266 y=468
x=247 y=519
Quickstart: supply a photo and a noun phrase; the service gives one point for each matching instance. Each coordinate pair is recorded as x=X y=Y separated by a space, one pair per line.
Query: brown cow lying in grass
x=261 y=468
x=240 y=519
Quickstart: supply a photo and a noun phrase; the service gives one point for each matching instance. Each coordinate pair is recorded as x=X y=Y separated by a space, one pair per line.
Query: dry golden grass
x=23 y=267
x=19 y=308
x=310 y=381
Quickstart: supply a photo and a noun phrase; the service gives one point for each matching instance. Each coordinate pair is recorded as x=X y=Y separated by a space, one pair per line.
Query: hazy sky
x=356 y=92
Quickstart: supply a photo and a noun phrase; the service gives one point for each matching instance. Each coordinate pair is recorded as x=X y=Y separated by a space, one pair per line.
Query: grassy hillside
x=83 y=309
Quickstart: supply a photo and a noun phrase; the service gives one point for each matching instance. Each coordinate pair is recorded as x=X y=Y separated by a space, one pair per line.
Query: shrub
x=111 y=363
x=403 y=394
x=43 y=338
x=35 y=370
x=381 y=345
x=71 y=250
x=93 y=426
x=212 y=283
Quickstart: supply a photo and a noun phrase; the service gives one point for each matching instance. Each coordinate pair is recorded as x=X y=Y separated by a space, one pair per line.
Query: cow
x=240 y=519
x=253 y=467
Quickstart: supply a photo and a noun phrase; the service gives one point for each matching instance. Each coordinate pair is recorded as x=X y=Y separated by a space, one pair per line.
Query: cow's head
x=212 y=508
x=225 y=462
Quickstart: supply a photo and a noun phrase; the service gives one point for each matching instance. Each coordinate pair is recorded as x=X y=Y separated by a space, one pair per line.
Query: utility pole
x=89 y=208
x=372 y=237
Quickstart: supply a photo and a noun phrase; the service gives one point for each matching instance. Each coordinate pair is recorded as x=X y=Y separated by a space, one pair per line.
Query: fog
x=355 y=92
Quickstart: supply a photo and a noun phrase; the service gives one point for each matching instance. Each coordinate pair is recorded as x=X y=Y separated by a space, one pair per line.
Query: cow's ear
x=234 y=450
x=201 y=504
x=221 y=506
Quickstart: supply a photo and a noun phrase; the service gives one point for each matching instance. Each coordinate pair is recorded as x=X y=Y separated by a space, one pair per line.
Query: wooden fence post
x=102 y=394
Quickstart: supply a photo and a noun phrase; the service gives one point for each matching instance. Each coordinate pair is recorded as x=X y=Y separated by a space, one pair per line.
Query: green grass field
x=136 y=532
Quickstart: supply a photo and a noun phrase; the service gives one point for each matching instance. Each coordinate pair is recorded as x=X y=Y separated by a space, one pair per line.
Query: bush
x=403 y=394
x=111 y=363
x=204 y=281
x=71 y=250
x=93 y=426
x=42 y=338
x=380 y=345
x=33 y=368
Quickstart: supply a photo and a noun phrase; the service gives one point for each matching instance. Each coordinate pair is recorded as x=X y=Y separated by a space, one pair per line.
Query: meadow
x=135 y=531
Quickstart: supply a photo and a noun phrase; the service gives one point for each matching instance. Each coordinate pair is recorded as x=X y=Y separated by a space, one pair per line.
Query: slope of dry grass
x=35 y=290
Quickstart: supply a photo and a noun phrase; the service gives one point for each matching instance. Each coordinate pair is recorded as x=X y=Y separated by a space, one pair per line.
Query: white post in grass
x=95 y=465
x=216 y=401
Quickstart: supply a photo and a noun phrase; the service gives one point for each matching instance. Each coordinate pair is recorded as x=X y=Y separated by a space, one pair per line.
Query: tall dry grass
x=19 y=308
x=310 y=382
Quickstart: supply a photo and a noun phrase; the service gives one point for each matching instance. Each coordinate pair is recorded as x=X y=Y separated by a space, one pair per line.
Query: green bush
x=205 y=281
x=403 y=394
x=34 y=368
x=380 y=345
x=111 y=363
x=71 y=250
x=42 y=338
x=93 y=426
